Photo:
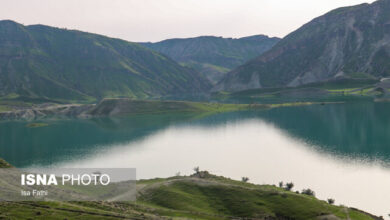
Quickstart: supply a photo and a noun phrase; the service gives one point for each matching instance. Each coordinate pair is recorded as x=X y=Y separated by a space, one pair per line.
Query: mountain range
x=42 y=62
x=47 y=63
x=349 y=42
x=214 y=56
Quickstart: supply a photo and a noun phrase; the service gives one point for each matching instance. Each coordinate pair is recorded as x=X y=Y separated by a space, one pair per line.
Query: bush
x=331 y=201
x=244 y=179
x=196 y=169
x=289 y=186
x=308 y=192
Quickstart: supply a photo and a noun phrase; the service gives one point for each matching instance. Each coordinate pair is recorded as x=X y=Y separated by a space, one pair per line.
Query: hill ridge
x=39 y=61
x=213 y=56
x=348 y=42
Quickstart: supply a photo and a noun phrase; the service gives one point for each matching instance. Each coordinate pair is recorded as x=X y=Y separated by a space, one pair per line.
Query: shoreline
x=125 y=107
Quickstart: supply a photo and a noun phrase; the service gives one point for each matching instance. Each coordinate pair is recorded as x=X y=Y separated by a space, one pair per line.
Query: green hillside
x=41 y=62
x=199 y=196
x=349 y=42
x=214 y=56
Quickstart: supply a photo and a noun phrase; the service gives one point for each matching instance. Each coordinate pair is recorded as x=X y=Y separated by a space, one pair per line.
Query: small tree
x=331 y=201
x=281 y=184
x=196 y=169
x=289 y=186
x=308 y=192
x=244 y=179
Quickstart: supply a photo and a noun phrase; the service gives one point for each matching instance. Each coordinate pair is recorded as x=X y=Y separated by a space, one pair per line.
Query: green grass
x=4 y=108
x=36 y=125
x=129 y=107
x=132 y=107
x=214 y=197
x=220 y=69
x=53 y=210
x=344 y=90
x=359 y=75
x=200 y=196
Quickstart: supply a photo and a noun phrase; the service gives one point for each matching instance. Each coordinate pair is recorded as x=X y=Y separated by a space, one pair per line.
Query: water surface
x=340 y=151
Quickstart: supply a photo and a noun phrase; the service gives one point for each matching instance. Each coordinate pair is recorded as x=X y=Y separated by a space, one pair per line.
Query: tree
x=281 y=184
x=244 y=179
x=289 y=186
x=308 y=192
x=197 y=170
x=331 y=201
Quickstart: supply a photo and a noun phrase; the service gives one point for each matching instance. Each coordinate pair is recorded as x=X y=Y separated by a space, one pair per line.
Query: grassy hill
x=214 y=56
x=199 y=196
x=39 y=62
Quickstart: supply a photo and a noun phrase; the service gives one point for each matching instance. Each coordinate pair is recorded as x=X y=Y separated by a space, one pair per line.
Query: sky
x=155 y=20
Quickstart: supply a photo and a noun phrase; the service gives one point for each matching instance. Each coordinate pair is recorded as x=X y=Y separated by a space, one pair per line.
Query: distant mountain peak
x=211 y=55
x=344 y=42
x=6 y=21
x=255 y=37
x=9 y=24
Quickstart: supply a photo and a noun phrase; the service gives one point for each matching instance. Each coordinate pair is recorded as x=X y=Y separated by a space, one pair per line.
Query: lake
x=340 y=151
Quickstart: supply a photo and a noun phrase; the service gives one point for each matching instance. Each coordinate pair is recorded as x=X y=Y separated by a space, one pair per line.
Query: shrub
x=244 y=179
x=331 y=201
x=308 y=192
x=289 y=186
x=196 y=169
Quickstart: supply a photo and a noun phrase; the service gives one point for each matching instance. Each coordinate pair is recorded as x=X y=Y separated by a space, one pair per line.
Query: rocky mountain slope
x=214 y=56
x=39 y=61
x=347 y=42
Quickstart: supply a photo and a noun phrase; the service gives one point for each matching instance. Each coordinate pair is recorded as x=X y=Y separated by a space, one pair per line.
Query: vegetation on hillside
x=115 y=107
x=349 y=42
x=46 y=63
x=340 y=90
x=214 y=56
x=199 y=196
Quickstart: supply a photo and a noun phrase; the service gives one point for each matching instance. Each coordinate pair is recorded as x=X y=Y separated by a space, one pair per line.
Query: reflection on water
x=355 y=129
x=70 y=139
x=340 y=151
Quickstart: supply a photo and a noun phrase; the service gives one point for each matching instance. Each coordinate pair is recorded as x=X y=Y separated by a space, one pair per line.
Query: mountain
x=43 y=62
x=349 y=42
x=214 y=56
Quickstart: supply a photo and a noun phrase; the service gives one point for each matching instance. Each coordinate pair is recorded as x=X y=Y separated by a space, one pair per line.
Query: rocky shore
x=37 y=112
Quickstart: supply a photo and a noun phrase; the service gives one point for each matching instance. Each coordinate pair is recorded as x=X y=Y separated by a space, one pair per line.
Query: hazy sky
x=154 y=20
